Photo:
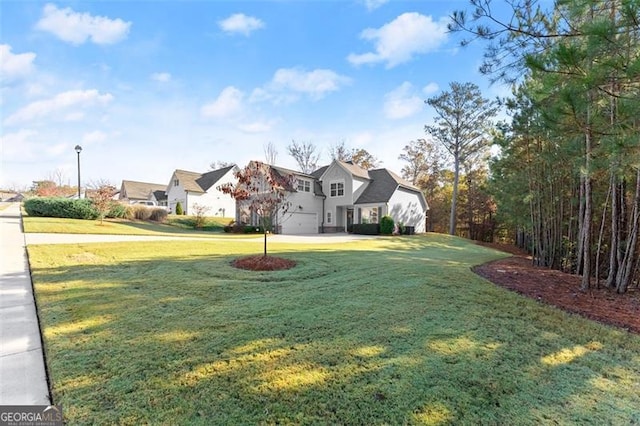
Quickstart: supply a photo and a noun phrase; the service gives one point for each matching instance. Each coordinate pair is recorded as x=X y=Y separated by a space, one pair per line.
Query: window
x=369 y=215
x=176 y=182
x=337 y=189
x=304 y=185
x=328 y=217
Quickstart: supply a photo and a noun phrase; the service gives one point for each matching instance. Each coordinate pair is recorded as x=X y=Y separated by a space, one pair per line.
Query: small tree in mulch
x=264 y=191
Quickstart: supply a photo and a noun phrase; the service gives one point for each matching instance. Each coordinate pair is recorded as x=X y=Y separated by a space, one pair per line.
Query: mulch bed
x=562 y=290
x=263 y=263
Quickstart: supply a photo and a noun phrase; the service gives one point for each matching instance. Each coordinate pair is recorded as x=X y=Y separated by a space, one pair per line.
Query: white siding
x=407 y=207
x=218 y=203
x=301 y=203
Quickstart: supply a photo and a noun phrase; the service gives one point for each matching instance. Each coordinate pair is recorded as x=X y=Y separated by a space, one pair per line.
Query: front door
x=349 y=219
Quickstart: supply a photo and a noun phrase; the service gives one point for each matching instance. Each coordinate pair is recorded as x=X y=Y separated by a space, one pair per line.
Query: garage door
x=300 y=223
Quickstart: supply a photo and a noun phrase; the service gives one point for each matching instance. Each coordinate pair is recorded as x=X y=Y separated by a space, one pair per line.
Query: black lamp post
x=78 y=150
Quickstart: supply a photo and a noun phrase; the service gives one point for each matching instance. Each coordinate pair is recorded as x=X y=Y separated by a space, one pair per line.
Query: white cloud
x=93 y=137
x=288 y=84
x=61 y=103
x=430 y=88
x=374 y=4
x=76 y=28
x=240 y=23
x=257 y=126
x=14 y=66
x=402 y=102
x=161 y=77
x=18 y=146
x=227 y=104
x=401 y=39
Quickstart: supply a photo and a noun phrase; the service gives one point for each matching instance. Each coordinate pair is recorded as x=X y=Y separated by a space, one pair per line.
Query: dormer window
x=304 y=185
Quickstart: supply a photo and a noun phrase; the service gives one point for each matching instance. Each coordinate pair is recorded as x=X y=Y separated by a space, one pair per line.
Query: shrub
x=242 y=228
x=386 y=225
x=61 y=207
x=120 y=211
x=179 y=210
x=141 y=212
x=250 y=229
x=199 y=213
x=158 y=214
x=366 y=228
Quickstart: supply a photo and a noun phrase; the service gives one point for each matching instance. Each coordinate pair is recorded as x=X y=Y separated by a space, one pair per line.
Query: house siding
x=218 y=203
x=407 y=207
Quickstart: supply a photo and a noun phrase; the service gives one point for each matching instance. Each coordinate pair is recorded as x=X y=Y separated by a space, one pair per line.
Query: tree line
x=568 y=177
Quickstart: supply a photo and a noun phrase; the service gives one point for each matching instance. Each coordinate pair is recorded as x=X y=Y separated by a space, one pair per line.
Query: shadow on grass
x=351 y=336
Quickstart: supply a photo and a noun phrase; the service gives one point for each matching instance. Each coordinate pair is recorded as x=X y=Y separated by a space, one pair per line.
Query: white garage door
x=300 y=223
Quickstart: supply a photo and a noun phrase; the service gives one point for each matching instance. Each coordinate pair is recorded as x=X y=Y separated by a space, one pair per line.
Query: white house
x=201 y=189
x=336 y=196
x=355 y=195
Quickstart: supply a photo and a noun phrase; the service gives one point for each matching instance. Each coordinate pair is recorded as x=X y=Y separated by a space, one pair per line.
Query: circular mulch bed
x=263 y=263
x=562 y=290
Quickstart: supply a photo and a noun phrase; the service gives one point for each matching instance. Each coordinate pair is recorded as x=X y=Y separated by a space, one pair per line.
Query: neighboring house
x=143 y=192
x=192 y=188
x=336 y=196
x=356 y=195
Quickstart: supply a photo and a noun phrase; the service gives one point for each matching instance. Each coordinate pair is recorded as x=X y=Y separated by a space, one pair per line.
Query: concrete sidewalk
x=23 y=379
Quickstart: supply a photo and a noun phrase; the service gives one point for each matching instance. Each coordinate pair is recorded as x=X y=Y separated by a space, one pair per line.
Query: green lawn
x=386 y=331
x=176 y=226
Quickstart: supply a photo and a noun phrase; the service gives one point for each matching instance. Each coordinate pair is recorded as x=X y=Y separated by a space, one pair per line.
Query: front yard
x=386 y=331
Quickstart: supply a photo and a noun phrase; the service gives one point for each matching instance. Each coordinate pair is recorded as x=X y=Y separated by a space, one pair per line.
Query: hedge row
x=60 y=207
x=84 y=209
x=241 y=228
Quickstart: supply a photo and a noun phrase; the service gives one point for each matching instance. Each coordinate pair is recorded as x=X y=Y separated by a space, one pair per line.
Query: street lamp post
x=78 y=150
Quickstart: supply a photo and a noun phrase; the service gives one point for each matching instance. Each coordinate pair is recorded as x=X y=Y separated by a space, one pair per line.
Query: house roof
x=382 y=186
x=318 y=173
x=354 y=170
x=317 y=187
x=200 y=182
x=160 y=195
x=134 y=190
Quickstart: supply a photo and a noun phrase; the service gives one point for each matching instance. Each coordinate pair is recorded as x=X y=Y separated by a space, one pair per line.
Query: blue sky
x=148 y=87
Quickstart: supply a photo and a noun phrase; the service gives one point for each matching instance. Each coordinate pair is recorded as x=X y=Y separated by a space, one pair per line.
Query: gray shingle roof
x=382 y=186
x=134 y=190
x=200 y=182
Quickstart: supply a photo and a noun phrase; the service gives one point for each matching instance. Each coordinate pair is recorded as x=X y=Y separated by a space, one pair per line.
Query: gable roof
x=140 y=190
x=200 y=182
x=354 y=169
x=382 y=187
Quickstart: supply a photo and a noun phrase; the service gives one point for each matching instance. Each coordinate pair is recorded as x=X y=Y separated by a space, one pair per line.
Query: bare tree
x=270 y=153
x=58 y=176
x=305 y=155
x=340 y=152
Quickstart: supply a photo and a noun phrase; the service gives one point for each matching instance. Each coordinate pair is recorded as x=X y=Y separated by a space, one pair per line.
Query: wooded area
x=566 y=182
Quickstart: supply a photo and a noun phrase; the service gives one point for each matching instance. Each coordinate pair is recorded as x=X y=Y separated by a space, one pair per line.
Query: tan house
x=135 y=192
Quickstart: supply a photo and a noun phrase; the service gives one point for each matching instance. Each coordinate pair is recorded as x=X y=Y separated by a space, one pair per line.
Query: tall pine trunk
x=454 y=197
